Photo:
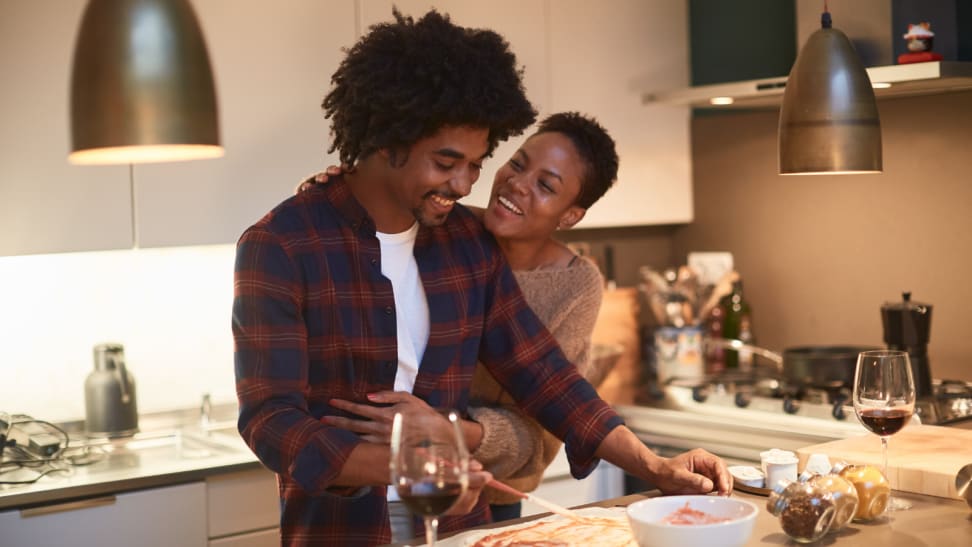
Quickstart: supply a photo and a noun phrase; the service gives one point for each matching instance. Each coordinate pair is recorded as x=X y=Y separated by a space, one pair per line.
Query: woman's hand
x=320 y=178
x=376 y=428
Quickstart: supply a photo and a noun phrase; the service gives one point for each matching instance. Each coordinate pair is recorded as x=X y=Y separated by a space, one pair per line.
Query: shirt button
x=389 y=310
x=374 y=261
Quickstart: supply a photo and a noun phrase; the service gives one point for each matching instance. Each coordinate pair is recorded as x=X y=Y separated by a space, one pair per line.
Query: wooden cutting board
x=921 y=458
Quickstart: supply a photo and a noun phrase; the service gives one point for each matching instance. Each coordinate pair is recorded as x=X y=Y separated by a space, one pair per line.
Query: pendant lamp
x=141 y=86
x=829 y=119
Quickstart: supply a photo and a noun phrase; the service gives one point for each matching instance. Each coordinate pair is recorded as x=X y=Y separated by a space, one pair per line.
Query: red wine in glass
x=429 y=464
x=884 y=400
x=884 y=422
x=428 y=498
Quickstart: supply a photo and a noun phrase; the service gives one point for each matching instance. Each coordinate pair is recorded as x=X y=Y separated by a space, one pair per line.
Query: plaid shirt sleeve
x=272 y=367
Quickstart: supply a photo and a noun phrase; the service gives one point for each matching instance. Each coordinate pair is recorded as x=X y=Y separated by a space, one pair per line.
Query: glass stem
x=884 y=469
x=884 y=452
x=431 y=529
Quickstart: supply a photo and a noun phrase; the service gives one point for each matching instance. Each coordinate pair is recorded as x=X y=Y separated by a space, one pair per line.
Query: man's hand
x=376 y=428
x=693 y=472
x=477 y=481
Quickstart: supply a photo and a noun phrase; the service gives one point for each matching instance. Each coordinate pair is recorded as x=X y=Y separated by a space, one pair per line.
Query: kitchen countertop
x=172 y=448
x=930 y=522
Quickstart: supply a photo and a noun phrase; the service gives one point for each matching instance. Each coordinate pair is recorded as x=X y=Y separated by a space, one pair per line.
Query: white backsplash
x=170 y=308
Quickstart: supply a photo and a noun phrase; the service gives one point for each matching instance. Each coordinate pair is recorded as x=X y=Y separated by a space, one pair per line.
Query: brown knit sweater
x=514 y=447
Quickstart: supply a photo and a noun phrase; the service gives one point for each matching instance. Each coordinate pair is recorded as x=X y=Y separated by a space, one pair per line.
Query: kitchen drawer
x=242 y=502
x=263 y=538
x=157 y=517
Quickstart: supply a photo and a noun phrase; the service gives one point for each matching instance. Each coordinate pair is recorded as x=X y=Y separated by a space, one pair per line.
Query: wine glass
x=429 y=464
x=884 y=399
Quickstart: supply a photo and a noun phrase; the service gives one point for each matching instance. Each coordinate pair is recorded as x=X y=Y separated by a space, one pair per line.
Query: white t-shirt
x=411 y=308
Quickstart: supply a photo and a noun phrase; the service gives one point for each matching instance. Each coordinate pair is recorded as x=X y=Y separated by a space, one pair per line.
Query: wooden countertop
x=931 y=522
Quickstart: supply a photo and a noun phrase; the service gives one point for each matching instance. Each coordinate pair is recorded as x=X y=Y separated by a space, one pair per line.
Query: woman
x=548 y=185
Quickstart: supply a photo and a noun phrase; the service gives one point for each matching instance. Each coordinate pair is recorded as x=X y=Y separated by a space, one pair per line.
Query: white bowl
x=650 y=530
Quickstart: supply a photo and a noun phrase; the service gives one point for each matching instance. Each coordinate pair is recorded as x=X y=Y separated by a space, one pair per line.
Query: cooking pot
x=822 y=366
x=815 y=366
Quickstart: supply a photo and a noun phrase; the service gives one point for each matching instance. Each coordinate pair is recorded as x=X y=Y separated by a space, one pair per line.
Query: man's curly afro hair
x=406 y=79
x=595 y=147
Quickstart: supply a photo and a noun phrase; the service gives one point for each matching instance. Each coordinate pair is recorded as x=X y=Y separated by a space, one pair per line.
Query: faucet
x=206 y=411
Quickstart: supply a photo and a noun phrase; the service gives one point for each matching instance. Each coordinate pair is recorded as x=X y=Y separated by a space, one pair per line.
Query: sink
x=222 y=433
x=177 y=444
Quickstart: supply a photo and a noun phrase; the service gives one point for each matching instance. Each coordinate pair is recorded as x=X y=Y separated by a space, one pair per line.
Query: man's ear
x=571 y=217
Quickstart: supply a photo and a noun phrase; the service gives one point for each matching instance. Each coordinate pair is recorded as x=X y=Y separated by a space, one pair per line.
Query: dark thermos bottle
x=109 y=395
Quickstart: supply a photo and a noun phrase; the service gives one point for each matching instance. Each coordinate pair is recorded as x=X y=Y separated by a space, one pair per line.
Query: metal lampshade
x=829 y=119
x=141 y=87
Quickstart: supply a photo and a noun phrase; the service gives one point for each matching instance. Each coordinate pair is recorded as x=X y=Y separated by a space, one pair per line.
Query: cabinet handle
x=69 y=506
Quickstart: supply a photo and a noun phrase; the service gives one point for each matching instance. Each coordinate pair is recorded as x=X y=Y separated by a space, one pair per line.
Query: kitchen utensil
x=678 y=353
x=963 y=483
x=821 y=366
x=109 y=395
x=907 y=327
x=553 y=507
x=727 y=343
x=925 y=459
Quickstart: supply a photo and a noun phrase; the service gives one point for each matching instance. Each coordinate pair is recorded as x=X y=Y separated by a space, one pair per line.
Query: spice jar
x=806 y=510
x=844 y=494
x=872 y=488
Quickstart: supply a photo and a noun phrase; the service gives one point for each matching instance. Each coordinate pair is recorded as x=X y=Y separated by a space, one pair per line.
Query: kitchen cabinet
x=158 y=517
x=46 y=204
x=602 y=56
x=596 y=58
x=243 y=509
x=272 y=66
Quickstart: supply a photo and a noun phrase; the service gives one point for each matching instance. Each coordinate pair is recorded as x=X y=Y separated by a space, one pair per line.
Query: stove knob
x=700 y=393
x=790 y=405
x=838 y=410
x=743 y=399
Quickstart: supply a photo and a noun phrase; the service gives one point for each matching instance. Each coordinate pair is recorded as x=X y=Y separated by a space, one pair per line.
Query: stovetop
x=764 y=391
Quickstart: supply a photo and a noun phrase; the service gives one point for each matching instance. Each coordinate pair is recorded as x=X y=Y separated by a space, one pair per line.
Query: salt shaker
x=806 y=510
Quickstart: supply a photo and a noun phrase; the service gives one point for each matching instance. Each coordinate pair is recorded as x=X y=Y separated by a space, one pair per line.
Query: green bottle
x=737 y=324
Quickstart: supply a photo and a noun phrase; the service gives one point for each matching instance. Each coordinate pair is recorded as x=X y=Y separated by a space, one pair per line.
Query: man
x=377 y=281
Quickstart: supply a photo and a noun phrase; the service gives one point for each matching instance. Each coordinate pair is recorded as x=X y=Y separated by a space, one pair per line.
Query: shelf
x=901 y=81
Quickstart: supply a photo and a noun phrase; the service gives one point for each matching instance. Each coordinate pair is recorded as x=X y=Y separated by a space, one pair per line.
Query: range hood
x=888 y=81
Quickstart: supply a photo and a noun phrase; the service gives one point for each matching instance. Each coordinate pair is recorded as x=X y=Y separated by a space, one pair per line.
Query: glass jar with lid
x=806 y=510
x=872 y=488
x=844 y=494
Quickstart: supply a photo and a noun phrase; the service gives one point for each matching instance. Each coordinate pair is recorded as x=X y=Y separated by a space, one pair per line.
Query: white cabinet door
x=46 y=204
x=602 y=56
x=596 y=58
x=273 y=63
x=158 y=517
x=243 y=503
